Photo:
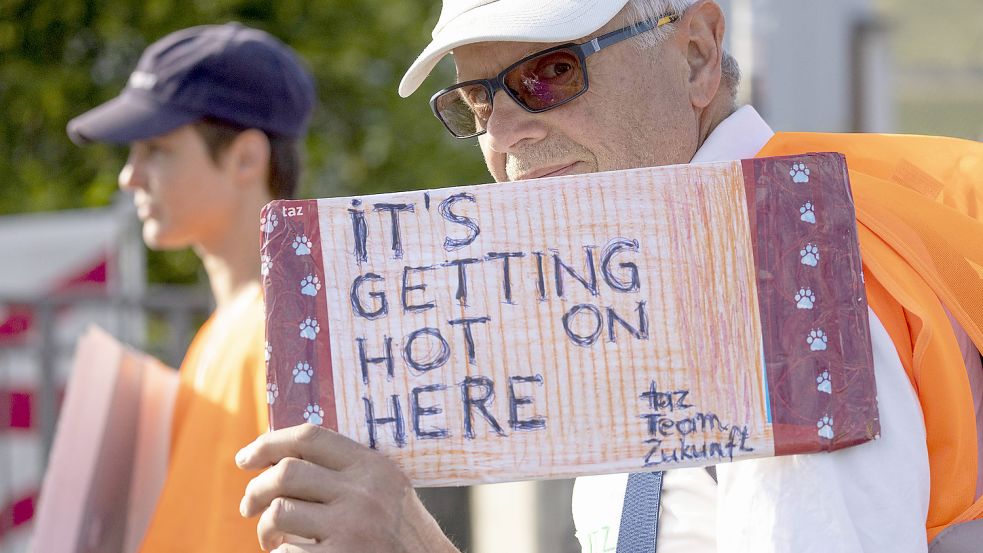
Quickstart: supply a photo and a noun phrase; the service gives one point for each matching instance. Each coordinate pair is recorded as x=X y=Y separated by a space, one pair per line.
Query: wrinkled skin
x=339 y=494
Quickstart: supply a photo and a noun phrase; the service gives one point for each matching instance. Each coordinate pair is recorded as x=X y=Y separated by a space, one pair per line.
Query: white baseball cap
x=469 y=21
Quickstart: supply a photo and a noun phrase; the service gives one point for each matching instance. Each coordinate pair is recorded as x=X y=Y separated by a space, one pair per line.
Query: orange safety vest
x=220 y=406
x=919 y=203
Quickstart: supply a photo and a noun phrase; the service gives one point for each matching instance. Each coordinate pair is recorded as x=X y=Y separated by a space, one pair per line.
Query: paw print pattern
x=805 y=298
x=303 y=373
x=310 y=285
x=809 y=255
x=265 y=263
x=268 y=223
x=823 y=383
x=309 y=328
x=817 y=340
x=269 y=351
x=807 y=213
x=272 y=393
x=799 y=173
x=302 y=245
x=314 y=414
x=825 y=426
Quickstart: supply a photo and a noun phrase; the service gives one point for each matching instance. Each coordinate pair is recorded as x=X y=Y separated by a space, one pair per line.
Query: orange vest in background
x=220 y=407
x=919 y=203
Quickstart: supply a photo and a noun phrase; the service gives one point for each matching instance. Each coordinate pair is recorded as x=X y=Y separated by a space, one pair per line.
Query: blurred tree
x=938 y=68
x=59 y=58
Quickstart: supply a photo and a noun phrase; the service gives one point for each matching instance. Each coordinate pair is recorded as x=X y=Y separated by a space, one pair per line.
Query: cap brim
x=126 y=118
x=511 y=21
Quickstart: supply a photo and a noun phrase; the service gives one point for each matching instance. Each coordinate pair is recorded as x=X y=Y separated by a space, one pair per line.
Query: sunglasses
x=538 y=82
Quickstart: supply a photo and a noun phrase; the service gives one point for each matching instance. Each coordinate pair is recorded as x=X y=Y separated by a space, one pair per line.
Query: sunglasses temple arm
x=614 y=37
x=591 y=47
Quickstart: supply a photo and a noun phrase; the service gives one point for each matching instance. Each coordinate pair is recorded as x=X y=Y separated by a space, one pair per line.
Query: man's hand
x=336 y=492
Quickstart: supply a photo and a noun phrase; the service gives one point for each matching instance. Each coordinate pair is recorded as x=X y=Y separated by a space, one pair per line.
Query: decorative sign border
x=813 y=303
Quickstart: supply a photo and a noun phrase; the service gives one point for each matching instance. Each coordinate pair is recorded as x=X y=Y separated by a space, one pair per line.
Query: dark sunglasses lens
x=546 y=80
x=465 y=109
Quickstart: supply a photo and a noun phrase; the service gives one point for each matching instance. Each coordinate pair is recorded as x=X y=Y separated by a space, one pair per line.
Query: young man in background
x=213 y=116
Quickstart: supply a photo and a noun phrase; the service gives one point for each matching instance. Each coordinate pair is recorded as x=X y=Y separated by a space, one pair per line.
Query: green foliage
x=59 y=58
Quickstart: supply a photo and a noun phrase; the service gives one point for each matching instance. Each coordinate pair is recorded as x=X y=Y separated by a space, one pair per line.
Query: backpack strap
x=639 y=530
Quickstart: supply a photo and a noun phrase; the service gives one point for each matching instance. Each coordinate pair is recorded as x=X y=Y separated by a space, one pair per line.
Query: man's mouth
x=144 y=211
x=549 y=171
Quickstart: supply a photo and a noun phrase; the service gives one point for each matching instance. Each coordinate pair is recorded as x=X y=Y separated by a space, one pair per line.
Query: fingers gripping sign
x=339 y=495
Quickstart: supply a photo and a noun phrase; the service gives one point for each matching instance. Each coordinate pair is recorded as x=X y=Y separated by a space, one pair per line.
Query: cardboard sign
x=109 y=458
x=612 y=322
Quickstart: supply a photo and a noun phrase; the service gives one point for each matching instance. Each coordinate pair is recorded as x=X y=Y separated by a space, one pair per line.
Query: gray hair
x=642 y=10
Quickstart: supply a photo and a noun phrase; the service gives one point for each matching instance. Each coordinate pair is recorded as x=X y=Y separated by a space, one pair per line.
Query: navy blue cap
x=230 y=72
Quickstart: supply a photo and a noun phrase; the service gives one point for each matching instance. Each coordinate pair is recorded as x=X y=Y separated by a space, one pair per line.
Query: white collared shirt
x=869 y=498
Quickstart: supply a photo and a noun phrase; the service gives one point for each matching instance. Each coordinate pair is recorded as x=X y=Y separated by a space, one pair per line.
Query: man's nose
x=130 y=176
x=510 y=125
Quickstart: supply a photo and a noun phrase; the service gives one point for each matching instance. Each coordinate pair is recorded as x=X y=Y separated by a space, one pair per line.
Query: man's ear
x=248 y=157
x=702 y=29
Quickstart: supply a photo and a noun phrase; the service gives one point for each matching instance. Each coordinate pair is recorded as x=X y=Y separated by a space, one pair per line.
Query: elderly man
x=572 y=86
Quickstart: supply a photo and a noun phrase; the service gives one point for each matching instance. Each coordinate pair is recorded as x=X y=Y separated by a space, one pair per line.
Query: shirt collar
x=740 y=136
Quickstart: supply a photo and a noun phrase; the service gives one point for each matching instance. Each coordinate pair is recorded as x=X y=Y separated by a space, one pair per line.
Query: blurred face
x=181 y=194
x=635 y=113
